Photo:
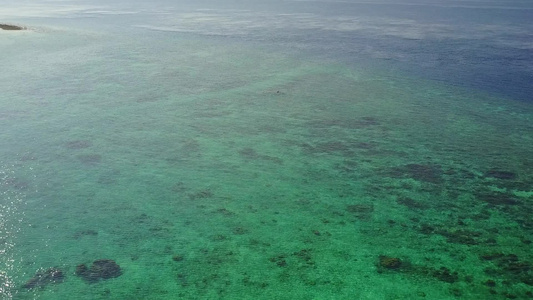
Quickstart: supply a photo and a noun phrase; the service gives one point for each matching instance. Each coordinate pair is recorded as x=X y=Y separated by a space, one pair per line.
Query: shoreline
x=11 y=27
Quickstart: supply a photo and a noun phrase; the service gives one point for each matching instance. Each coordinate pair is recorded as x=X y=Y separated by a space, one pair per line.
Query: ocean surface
x=266 y=150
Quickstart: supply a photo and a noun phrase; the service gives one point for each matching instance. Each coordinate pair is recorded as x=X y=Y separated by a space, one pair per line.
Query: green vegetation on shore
x=10 y=27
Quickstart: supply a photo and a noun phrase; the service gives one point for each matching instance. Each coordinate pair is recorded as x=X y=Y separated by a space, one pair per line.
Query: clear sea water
x=267 y=149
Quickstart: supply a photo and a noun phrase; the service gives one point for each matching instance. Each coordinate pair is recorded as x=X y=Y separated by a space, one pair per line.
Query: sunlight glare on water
x=10 y=221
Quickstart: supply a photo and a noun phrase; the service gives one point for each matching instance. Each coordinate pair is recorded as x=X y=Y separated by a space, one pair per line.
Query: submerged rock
x=43 y=278
x=100 y=269
x=390 y=263
x=446 y=275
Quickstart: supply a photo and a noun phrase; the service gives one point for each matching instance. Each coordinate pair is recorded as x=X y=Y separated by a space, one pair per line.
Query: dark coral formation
x=509 y=266
x=389 y=263
x=465 y=237
x=225 y=212
x=456 y=236
x=333 y=146
x=360 y=208
x=280 y=260
x=497 y=198
x=100 y=269
x=411 y=203
x=499 y=174
x=344 y=148
x=445 y=274
x=349 y=124
x=90 y=159
x=82 y=233
x=178 y=257
x=251 y=154
x=490 y=283
x=431 y=173
x=218 y=238
x=239 y=230
x=43 y=278
x=15 y=183
x=361 y=211
x=78 y=144
x=178 y=187
x=304 y=256
x=203 y=194
x=301 y=258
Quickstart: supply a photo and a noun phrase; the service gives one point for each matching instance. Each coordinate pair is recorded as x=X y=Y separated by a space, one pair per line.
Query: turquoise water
x=226 y=167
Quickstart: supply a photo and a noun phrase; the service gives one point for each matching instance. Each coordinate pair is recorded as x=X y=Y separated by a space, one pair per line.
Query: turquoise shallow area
x=225 y=170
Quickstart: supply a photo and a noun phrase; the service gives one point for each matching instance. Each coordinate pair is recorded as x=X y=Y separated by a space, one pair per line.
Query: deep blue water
x=485 y=45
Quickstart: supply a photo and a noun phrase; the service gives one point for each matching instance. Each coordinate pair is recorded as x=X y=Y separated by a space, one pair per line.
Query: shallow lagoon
x=245 y=164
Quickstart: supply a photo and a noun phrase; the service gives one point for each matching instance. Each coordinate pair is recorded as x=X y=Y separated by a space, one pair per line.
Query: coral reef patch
x=100 y=269
x=499 y=174
x=509 y=266
x=431 y=173
x=389 y=263
x=78 y=144
x=42 y=278
x=90 y=159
